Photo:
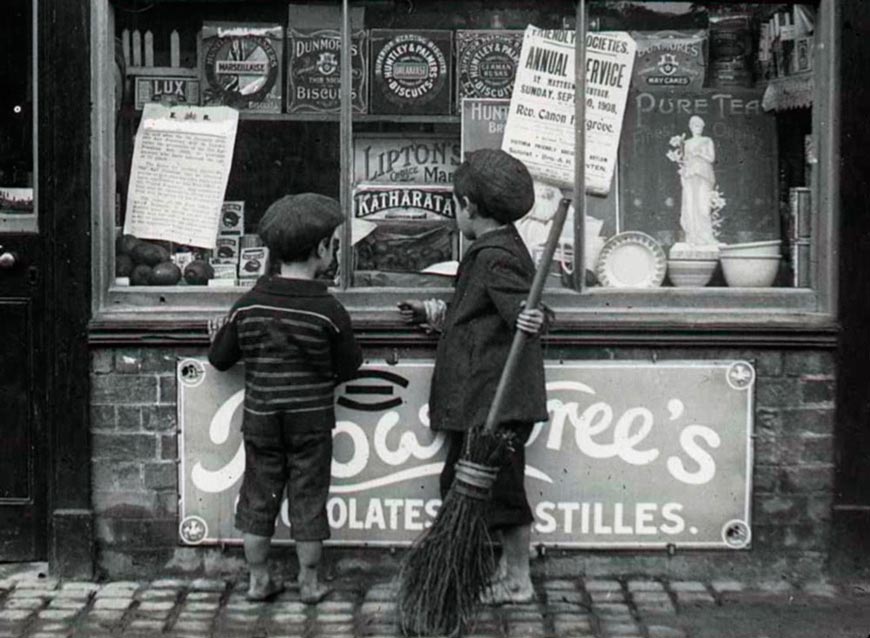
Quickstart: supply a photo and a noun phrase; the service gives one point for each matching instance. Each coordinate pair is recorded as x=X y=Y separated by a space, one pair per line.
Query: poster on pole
x=181 y=163
x=540 y=124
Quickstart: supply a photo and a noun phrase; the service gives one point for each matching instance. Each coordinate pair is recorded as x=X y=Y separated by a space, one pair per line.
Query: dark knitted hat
x=498 y=183
x=293 y=225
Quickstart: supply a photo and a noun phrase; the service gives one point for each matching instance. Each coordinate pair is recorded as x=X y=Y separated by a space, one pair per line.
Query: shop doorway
x=23 y=369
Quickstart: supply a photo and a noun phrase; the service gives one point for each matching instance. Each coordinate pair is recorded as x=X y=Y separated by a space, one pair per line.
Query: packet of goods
x=226 y=250
x=253 y=262
x=241 y=65
x=670 y=59
x=408 y=227
x=232 y=218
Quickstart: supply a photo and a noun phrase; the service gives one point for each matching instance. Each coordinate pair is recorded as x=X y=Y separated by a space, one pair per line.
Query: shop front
x=692 y=368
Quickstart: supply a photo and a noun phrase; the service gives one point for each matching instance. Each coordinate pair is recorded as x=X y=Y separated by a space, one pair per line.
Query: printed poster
x=540 y=125
x=667 y=464
x=181 y=162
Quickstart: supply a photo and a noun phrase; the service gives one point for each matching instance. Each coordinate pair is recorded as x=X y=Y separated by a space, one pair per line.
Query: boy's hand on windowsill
x=412 y=311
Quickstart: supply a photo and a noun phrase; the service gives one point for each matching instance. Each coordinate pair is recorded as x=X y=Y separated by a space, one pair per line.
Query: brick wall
x=135 y=486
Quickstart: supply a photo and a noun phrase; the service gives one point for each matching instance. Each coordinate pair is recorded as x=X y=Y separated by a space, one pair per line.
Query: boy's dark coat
x=494 y=277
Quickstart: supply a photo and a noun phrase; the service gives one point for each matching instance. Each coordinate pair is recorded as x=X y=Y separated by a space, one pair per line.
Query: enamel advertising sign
x=667 y=462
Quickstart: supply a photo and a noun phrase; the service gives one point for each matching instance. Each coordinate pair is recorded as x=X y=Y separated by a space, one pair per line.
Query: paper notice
x=181 y=162
x=540 y=124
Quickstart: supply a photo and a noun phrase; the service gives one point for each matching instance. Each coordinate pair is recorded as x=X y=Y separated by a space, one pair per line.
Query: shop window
x=712 y=200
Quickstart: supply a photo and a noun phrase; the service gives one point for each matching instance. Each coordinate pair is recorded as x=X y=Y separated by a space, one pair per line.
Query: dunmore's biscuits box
x=314 y=71
x=241 y=65
x=411 y=71
x=670 y=60
x=486 y=63
x=314 y=59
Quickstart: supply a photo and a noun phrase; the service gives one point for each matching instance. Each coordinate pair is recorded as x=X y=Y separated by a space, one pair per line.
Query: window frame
x=579 y=309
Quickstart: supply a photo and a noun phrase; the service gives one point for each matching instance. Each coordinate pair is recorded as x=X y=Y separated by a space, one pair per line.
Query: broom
x=451 y=564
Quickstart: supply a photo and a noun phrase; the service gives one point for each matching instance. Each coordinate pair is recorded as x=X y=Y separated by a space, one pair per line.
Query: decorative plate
x=631 y=260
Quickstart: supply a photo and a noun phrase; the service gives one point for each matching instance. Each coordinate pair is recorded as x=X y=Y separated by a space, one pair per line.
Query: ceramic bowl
x=691 y=272
x=750 y=271
x=770 y=248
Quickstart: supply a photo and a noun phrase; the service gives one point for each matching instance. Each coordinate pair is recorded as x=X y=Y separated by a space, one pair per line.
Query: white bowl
x=691 y=272
x=769 y=248
x=750 y=271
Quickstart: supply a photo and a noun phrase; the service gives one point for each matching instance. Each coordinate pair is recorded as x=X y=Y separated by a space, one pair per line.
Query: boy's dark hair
x=497 y=183
x=293 y=226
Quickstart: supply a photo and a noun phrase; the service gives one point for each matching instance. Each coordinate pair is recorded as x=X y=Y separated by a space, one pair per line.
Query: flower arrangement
x=676 y=154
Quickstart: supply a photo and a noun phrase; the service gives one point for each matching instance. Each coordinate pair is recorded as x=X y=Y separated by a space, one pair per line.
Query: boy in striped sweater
x=297 y=343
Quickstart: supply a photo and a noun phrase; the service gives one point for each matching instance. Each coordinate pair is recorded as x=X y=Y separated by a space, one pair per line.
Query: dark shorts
x=299 y=462
x=508 y=505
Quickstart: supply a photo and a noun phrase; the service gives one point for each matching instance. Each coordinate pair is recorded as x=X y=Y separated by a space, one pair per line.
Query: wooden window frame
x=789 y=309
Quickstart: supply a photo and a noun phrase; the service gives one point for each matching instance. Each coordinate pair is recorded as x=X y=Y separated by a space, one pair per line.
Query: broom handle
x=532 y=301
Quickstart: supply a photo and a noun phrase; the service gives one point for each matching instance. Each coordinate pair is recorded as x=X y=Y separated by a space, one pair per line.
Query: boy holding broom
x=297 y=343
x=491 y=190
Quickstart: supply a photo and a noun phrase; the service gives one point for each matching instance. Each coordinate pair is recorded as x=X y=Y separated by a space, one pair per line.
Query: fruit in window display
x=198 y=272
x=150 y=254
x=125 y=243
x=123 y=265
x=141 y=275
x=165 y=273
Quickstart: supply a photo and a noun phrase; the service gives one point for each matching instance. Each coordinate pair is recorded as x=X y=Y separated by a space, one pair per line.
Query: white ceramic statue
x=699 y=183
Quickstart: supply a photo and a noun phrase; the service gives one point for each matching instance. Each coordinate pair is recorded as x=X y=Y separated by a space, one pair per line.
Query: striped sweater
x=297 y=343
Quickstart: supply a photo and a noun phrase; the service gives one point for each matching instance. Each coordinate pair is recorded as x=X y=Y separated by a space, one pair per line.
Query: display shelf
x=789 y=92
x=334 y=117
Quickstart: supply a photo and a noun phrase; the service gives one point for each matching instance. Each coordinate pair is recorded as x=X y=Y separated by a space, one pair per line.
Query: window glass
x=17 y=211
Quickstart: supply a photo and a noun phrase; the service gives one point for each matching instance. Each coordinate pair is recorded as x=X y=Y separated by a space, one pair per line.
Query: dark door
x=23 y=488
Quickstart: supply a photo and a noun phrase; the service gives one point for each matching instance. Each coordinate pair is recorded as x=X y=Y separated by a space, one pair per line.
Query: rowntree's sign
x=635 y=454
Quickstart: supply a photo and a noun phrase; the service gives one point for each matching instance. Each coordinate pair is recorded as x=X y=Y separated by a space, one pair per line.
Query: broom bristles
x=447 y=569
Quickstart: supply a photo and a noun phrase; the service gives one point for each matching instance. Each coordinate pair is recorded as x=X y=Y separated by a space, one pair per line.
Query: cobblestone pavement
x=33 y=605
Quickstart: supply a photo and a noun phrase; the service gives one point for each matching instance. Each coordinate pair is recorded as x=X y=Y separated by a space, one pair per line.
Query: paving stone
x=289 y=618
x=105 y=617
x=210 y=606
x=72 y=594
x=44 y=584
x=21 y=594
x=15 y=615
x=687 y=585
x=335 y=606
x=339 y=618
x=112 y=603
x=168 y=583
x=620 y=628
x=158 y=594
x=664 y=607
x=68 y=603
x=557 y=584
x=58 y=614
x=79 y=585
x=126 y=585
x=821 y=590
x=333 y=629
x=25 y=603
x=196 y=615
x=663 y=631
x=49 y=634
x=290 y=607
x=695 y=598
x=565 y=596
x=642 y=597
x=603 y=585
x=143 y=624
x=156 y=605
x=202 y=596
x=645 y=586
x=775 y=587
x=563 y=627
x=607 y=596
x=192 y=625
x=611 y=609
x=380 y=595
x=208 y=584
x=727 y=586
x=52 y=626
x=526 y=629
x=7 y=583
